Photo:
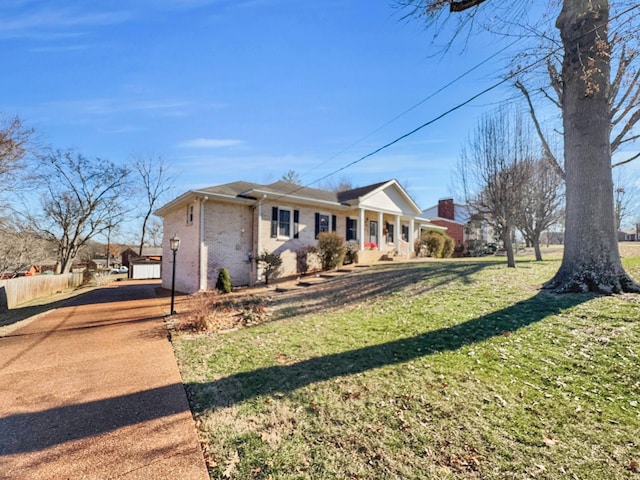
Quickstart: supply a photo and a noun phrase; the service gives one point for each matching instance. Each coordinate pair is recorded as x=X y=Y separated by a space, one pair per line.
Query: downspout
x=256 y=244
x=203 y=252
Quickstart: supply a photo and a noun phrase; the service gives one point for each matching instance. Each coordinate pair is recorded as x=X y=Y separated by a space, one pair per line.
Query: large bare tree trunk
x=591 y=261
x=508 y=246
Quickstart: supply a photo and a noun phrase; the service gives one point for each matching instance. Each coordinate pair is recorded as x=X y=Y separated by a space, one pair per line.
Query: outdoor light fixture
x=174 y=244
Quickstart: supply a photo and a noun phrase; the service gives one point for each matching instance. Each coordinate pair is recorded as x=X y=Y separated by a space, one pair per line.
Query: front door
x=373 y=232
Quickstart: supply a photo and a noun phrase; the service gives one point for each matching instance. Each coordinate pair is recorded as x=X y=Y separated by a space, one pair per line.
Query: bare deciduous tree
x=80 y=199
x=542 y=201
x=156 y=181
x=337 y=184
x=19 y=247
x=493 y=171
x=14 y=139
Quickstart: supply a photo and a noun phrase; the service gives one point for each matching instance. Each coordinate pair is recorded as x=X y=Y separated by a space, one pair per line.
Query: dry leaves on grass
x=232 y=462
x=549 y=441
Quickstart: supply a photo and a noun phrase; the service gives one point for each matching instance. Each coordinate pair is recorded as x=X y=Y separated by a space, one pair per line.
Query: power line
x=410 y=109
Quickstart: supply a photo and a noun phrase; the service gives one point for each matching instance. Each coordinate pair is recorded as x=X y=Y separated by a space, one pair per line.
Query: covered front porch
x=386 y=234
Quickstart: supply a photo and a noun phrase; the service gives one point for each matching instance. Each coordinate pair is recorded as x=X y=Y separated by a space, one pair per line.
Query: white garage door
x=142 y=272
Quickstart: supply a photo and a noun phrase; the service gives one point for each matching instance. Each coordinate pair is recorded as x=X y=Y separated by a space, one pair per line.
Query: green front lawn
x=453 y=369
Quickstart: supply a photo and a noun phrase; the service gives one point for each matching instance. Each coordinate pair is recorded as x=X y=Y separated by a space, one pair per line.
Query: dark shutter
x=296 y=221
x=317 y=229
x=347 y=234
x=274 y=222
x=334 y=222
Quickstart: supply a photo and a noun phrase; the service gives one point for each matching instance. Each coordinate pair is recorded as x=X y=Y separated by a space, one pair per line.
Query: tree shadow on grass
x=286 y=378
x=379 y=280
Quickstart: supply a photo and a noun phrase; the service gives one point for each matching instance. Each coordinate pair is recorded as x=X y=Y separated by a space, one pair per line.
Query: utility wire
x=410 y=109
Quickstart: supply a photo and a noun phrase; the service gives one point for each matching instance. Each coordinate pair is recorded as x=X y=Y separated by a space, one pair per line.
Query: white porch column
x=397 y=234
x=361 y=229
x=412 y=235
x=380 y=233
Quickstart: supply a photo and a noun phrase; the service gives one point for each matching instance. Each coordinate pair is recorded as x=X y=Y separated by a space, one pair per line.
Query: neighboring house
x=630 y=235
x=145 y=266
x=229 y=226
x=101 y=263
x=463 y=226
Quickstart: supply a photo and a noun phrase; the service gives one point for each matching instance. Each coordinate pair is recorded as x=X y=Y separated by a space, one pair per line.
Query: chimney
x=445 y=208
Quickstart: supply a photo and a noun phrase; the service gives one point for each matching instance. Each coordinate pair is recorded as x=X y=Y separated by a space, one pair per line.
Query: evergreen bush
x=223 y=284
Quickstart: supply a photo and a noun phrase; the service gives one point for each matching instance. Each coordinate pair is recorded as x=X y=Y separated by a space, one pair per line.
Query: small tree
x=292 y=177
x=331 y=250
x=223 y=284
x=272 y=263
x=302 y=258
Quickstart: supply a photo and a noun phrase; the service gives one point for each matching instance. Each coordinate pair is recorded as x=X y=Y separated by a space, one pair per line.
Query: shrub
x=331 y=250
x=351 y=253
x=199 y=316
x=434 y=243
x=223 y=284
x=272 y=263
x=302 y=258
x=448 y=247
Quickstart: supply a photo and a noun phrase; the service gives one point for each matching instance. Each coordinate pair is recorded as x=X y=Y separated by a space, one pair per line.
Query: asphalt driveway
x=92 y=390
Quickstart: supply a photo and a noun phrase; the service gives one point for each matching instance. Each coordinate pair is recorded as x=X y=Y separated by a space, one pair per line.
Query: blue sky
x=231 y=90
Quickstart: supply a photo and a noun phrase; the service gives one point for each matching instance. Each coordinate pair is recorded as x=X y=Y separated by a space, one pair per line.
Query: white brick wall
x=228 y=241
x=287 y=247
x=187 y=258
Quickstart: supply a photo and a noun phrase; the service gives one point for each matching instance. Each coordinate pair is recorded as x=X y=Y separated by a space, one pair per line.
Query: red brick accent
x=454 y=229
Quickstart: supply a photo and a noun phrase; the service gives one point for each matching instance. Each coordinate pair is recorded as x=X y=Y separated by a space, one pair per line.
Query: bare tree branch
x=463 y=5
x=628 y=160
x=616 y=142
x=556 y=83
x=543 y=140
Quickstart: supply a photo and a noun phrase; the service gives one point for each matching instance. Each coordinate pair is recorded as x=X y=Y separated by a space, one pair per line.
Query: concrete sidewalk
x=92 y=390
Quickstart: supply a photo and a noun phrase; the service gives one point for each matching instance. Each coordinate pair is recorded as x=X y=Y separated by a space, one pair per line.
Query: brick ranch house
x=228 y=226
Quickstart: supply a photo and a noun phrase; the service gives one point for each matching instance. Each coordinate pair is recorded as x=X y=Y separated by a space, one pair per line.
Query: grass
x=466 y=371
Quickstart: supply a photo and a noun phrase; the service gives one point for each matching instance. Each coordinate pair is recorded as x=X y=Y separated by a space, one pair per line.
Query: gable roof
x=351 y=195
x=251 y=192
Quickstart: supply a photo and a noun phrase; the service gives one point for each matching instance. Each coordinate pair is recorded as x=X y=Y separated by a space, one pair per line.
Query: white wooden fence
x=17 y=291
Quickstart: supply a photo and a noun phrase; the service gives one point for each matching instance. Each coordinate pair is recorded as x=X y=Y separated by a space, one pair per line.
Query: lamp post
x=174 y=244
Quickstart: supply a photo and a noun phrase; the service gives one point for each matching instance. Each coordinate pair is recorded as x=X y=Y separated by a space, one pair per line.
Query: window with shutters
x=284 y=222
x=325 y=223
